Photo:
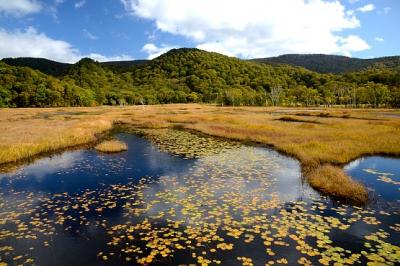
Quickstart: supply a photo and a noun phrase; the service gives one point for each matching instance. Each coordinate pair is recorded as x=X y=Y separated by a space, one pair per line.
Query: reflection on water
x=73 y=171
x=379 y=174
x=246 y=206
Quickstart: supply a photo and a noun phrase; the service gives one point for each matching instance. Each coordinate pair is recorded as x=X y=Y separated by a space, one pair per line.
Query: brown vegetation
x=27 y=132
x=111 y=146
x=333 y=181
x=332 y=140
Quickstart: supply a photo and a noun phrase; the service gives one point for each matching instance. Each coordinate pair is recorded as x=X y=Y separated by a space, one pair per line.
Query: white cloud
x=89 y=35
x=19 y=7
x=31 y=43
x=153 y=51
x=366 y=8
x=80 y=4
x=103 y=58
x=253 y=28
x=379 y=39
x=352 y=43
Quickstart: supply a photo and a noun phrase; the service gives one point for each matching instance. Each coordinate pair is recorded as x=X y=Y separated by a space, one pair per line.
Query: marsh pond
x=176 y=198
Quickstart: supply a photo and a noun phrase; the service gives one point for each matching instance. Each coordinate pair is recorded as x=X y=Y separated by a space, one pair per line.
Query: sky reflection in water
x=246 y=205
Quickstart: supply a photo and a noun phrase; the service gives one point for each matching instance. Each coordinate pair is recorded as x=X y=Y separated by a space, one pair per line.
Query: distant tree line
x=191 y=75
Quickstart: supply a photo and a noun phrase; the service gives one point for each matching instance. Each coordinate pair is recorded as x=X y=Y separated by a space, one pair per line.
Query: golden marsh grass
x=111 y=146
x=332 y=180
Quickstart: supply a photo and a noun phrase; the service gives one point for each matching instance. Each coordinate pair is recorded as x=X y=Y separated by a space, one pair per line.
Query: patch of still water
x=245 y=205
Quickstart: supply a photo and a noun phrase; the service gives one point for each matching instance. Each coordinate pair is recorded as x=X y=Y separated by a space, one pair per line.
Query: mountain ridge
x=57 y=69
x=193 y=75
x=320 y=63
x=324 y=63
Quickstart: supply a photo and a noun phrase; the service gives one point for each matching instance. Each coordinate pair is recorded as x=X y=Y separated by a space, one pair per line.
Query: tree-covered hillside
x=57 y=69
x=46 y=66
x=25 y=87
x=336 y=64
x=124 y=66
x=211 y=77
x=192 y=75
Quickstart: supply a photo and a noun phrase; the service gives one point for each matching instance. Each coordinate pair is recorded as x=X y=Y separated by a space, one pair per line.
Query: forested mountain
x=108 y=87
x=210 y=77
x=124 y=66
x=323 y=63
x=25 y=87
x=192 y=75
x=46 y=66
x=57 y=69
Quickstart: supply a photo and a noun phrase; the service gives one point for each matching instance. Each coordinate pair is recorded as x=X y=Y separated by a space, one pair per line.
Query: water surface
x=245 y=205
x=380 y=174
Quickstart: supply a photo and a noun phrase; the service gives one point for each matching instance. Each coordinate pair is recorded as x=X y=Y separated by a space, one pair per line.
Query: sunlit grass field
x=316 y=136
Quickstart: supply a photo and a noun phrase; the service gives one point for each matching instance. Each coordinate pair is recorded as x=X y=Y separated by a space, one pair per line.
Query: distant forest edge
x=192 y=75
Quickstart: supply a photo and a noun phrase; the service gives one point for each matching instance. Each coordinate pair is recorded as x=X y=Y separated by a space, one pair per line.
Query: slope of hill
x=323 y=63
x=107 y=86
x=57 y=69
x=46 y=66
x=212 y=75
x=124 y=66
x=25 y=87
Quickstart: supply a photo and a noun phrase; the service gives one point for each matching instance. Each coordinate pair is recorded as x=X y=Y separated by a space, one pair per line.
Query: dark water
x=246 y=206
x=73 y=171
x=380 y=174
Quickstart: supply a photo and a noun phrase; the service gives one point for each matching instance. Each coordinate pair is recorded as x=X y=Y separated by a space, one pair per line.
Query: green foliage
x=337 y=64
x=24 y=87
x=192 y=75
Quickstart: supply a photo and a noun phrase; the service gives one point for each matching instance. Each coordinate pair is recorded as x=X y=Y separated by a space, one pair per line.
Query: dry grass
x=332 y=180
x=111 y=146
x=337 y=137
x=24 y=135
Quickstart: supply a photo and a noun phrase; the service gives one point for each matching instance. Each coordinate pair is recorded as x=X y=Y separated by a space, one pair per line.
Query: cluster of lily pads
x=186 y=144
x=226 y=209
x=227 y=205
x=383 y=176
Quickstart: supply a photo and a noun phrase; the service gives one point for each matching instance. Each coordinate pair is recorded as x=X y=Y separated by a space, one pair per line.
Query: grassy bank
x=333 y=181
x=29 y=132
x=316 y=136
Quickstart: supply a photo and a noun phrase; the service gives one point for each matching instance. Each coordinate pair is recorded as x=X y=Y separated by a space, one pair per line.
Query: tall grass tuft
x=333 y=181
x=111 y=146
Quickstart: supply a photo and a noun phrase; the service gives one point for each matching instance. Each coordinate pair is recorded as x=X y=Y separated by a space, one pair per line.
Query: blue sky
x=67 y=30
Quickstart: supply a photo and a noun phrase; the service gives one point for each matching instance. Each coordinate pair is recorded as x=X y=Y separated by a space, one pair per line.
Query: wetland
x=174 y=197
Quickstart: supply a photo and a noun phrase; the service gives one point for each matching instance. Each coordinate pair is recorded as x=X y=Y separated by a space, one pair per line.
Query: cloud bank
x=255 y=28
x=31 y=43
x=19 y=7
